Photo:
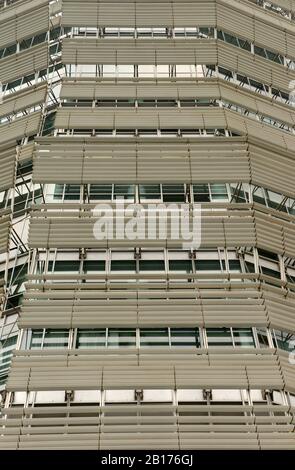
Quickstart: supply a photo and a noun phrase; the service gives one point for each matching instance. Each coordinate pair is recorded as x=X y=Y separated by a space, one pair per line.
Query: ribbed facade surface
x=122 y=343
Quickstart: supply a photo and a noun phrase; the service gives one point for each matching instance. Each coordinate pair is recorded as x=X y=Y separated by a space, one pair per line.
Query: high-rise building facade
x=145 y=343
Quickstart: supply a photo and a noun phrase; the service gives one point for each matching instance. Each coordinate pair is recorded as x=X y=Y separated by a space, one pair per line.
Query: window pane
x=208 y=265
x=58 y=191
x=238 y=194
x=72 y=192
x=39 y=38
x=173 y=193
x=64 y=266
x=123 y=265
x=274 y=199
x=268 y=254
x=234 y=265
x=285 y=341
x=185 y=337
x=151 y=265
x=270 y=272
x=101 y=192
x=258 y=196
x=92 y=265
x=7 y=346
x=262 y=337
x=123 y=191
x=36 y=339
x=151 y=191
x=201 y=192
x=218 y=192
x=219 y=337
x=17 y=275
x=249 y=267
x=259 y=51
x=87 y=339
x=56 y=339
x=243 y=337
x=244 y=45
x=154 y=337
x=230 y=39
x=184 y=266
x=121 y=337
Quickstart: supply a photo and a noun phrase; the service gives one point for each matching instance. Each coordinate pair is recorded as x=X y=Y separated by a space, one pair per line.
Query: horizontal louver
x=4 y=231
x=227 y=228
x=152 y=371
x=176 y=90
x=128 y=51
x=26 y=152
x=185 y=426
x=20 y=23
x=24 y=63
x=219 y=229
x=253 y=66
x=142 y=161
x=64 y=160
x=281 y=311
x=144 y=89
x=86 y=308
x=23 y=100
x=287 y=367
x=272 y=170
x=20 y=127
x=7 y=165
x=70 y=118
x=141 y=14
x=179 y=51
x=238 y=19
x=170 y=118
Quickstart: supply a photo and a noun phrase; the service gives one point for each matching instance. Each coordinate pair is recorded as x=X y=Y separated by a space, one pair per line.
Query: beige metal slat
x=24 y=63
x=253 y=66
x=145 y=14
x=197 y=161
x=105 y=118
x=26 y=152
x=4 y=231
x=17 y=25
x=209 y=88
x=272 y=170
x=230 y=19
x=20 y=127
x=23 y=100
x=7 y=162
x=98 y=89
x=142 y=51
